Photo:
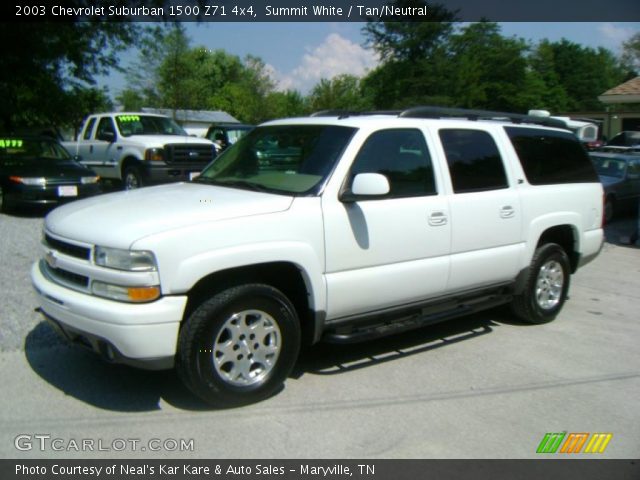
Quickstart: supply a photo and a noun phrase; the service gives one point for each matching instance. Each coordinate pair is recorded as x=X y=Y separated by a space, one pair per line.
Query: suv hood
x=119 y=219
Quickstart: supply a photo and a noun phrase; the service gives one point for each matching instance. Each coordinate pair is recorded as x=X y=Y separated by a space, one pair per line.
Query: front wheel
x=546 y=285
x=132 y=178
x=239 y=346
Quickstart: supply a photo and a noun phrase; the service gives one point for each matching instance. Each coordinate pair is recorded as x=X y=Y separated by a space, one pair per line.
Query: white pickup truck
x=140 y=149
x=339 y=227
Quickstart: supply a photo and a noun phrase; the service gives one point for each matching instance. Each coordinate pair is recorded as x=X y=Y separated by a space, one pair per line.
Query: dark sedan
x=39 y=171
x=620 y=177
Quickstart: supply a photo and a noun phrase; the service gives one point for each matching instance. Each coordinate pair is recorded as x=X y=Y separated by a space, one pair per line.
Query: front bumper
x=143 y=335
x=153 y=174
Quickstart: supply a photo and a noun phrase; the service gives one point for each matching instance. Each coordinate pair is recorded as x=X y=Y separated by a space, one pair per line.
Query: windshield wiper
x=243 y=184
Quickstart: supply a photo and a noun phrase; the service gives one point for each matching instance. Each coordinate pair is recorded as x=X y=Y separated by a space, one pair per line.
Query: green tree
x=631 y=53
x=43 y=62
x=487 y=70
x=340 y=93
x=576 y=75
x=415 y=66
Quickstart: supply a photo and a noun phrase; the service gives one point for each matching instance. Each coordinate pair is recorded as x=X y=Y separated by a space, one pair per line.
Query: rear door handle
x=437 y=219
x=507 y=211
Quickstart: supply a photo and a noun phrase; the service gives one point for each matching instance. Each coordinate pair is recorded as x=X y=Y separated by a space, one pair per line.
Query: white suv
x=340 y=227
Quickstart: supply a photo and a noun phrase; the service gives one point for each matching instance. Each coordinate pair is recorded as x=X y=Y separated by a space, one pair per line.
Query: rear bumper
x=143 y=335
x=593 y=241
x=27 y=195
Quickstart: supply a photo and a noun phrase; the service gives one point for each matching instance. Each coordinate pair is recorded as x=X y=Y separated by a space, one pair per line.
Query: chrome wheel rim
x=549 y=285
x=247 y=348
x=131 y=181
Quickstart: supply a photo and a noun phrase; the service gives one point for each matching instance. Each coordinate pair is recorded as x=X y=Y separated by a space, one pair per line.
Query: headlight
x=129 y=260
x=154 y=155
x=87 y=180
x=29 y=180
x=125 y=294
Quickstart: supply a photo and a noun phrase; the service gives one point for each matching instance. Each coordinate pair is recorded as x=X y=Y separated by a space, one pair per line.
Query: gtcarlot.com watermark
x=44 y=442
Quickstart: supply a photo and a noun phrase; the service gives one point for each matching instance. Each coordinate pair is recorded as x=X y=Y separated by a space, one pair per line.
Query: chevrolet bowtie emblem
x=51 y=259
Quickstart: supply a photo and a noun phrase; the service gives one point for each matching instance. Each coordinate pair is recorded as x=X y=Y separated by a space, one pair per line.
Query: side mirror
x=77 y=158
x=366 y=185
x=106 y=136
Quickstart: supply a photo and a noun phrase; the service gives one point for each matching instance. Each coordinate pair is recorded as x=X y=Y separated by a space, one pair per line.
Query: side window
x=474 y=161
x=89 y=128
x=105 y=125
x=634 y=168
x=402 y=156
x=550 y=156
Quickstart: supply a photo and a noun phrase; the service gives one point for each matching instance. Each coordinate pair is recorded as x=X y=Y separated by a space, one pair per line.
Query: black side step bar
x=380 y=325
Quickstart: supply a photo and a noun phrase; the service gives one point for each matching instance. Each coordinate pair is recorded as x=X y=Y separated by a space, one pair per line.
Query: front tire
x=132 y=178
x=546 y=285
x=239 y=346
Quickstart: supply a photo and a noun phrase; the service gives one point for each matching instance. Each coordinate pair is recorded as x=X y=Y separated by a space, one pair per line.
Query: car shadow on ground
x=84 y=376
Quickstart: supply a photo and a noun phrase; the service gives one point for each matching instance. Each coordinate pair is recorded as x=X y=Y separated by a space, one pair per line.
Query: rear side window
x=550 y=157
x=474 y=161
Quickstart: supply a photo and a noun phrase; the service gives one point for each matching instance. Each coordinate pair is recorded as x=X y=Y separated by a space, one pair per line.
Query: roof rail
x=352 y=113
x=445 y=112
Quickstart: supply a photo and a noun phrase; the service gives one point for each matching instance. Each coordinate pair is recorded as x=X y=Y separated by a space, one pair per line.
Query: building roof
x=628 y=92
x=204 y=116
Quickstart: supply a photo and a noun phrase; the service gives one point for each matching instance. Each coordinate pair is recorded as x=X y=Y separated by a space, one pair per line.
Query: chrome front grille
x=67 y=248
x=67 y=278
x=189 y=153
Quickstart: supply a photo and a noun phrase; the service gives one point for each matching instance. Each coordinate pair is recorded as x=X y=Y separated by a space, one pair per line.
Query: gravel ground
x=19 y=248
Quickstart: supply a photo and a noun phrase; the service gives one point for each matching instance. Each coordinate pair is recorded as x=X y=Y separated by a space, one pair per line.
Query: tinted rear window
x=549 y=157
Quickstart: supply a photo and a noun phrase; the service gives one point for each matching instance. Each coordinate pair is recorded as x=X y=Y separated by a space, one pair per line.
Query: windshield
x=19 y=151
x=290 y=159
x=147 y=125
x=609 y=167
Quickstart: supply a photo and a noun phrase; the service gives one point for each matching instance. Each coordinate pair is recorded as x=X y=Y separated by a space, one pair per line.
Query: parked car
x=620 y=177
x=39 y=171
x=624 y=142
x=140 y=149
x=224 y=135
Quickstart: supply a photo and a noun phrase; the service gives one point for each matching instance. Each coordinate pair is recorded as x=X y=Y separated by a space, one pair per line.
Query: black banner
x=322 y=10
x=325 y=469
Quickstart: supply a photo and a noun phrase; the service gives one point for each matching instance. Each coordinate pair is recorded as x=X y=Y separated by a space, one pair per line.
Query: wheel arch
x=129 y=161
x=567 y=237
x=285 y=276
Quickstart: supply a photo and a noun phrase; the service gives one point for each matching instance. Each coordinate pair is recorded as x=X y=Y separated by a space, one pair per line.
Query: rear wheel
x=239 y=346
x=546 y=285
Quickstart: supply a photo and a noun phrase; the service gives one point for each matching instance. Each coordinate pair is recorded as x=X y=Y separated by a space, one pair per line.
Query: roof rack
x=352 y=113
x=445 y=112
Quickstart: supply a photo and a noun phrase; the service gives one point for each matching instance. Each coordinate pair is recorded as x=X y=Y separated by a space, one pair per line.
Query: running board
x=390 y=323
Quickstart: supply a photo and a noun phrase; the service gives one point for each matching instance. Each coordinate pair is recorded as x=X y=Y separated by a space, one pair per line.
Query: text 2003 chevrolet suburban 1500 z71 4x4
x=140 y=149
x=370 y=224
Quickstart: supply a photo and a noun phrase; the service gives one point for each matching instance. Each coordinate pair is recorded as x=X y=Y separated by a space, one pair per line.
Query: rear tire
x=546 y=285
x=239 y=346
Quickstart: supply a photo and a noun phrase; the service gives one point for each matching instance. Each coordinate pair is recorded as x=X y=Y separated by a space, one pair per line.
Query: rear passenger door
x=486 y=219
